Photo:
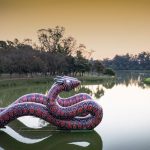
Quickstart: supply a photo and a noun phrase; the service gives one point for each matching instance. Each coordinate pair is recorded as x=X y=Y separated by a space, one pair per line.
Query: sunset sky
x=108 y=27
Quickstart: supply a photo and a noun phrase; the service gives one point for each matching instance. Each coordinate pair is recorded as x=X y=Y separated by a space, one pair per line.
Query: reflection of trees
x=80 y=89
x=55 y=140
x=132 y=77
x=108 y=84
x=99 y=92
x=85 y=90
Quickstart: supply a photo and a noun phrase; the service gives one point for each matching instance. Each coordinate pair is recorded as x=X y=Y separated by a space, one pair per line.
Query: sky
x=108 y=27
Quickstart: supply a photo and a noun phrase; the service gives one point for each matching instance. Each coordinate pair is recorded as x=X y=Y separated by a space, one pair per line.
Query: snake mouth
x=72 y=85
x=76 y=84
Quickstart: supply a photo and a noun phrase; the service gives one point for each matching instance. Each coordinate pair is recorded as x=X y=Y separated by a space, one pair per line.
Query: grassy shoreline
x=11 y=89
x=147 y=81
x=5 y=83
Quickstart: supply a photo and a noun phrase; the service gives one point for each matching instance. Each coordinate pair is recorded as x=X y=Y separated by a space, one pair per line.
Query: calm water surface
x=125 y=125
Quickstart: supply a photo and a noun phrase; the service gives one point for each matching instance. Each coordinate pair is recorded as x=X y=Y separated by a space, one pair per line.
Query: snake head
x=67 y=82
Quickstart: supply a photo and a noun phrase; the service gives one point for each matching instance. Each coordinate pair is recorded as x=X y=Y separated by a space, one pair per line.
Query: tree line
x=140 y=61
x=54 y=54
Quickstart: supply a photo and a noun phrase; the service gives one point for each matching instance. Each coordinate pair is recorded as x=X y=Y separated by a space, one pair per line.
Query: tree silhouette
x=55 y=54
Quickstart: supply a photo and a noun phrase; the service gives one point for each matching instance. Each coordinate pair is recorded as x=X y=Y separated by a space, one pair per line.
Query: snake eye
x=67 y=81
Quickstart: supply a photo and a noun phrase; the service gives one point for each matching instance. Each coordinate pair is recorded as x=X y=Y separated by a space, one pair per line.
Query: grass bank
x=147 y=80
x=13 y=82
x=11 y=89
x=7 y=83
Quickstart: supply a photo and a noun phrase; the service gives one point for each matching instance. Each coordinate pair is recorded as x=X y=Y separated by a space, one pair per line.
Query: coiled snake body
x=76 y=112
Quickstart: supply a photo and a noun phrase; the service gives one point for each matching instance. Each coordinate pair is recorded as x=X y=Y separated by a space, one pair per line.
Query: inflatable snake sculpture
x=73 y=113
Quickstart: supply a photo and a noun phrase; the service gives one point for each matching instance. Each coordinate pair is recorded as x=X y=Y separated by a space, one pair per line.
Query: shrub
x=109 y=71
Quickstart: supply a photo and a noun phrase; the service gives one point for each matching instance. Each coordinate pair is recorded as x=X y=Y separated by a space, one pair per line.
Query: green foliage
x=96 y=67
x=109 y=71
x=147 y=81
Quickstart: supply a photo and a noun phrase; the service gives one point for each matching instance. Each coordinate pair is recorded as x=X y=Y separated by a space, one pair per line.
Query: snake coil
x=73 y=113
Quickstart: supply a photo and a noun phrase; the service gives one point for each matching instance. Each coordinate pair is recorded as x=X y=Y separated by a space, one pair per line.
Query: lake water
x=125 y=124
